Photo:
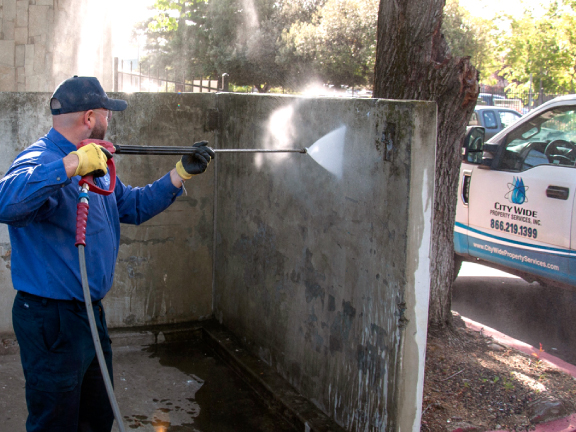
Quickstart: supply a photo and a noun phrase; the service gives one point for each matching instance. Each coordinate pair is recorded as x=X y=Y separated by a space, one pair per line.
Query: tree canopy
x=265 y=42
x=537 y=43
x=338 y=42
x=541 y=46
x=469 y=36
x=283 y=43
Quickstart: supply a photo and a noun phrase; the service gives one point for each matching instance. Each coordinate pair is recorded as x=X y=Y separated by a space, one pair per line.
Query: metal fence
x=521 y=101
x=127 y=78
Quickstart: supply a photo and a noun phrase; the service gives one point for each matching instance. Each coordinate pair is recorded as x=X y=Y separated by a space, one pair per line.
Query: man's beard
x=98 y=132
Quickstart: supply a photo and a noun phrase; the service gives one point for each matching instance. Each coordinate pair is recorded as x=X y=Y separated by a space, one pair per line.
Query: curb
x=521 y=346
x=567 y=424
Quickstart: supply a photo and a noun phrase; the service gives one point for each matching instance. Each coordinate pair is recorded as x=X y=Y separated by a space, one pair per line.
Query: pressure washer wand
x=182 y=150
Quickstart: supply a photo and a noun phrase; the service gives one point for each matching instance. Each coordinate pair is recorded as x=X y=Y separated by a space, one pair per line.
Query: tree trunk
x=413 y=61
x=263 y=89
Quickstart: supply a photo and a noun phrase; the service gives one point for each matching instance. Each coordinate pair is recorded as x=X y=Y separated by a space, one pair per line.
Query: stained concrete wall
x=43 y=42
x=164 y=269
x=328 y=278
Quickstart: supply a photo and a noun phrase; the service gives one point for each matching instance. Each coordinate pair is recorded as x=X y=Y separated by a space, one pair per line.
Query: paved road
x=528 y=312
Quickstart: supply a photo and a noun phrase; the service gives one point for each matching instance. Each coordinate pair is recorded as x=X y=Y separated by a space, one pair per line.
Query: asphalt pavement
x=529 y=312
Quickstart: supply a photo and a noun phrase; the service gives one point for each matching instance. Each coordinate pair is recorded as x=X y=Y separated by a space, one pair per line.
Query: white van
x=516 y=192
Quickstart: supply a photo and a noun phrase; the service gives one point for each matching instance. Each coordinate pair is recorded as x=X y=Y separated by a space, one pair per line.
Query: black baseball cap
x=82 y=94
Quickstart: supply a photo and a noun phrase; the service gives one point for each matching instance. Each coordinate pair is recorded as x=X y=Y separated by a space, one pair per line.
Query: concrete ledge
x=150 y=335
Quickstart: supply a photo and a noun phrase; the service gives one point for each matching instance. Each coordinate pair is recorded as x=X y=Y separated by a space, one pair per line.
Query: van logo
x=517 y=191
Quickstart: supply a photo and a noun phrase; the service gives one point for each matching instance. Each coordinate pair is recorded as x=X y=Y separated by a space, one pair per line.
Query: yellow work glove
x=196 y=163
x=92 y=160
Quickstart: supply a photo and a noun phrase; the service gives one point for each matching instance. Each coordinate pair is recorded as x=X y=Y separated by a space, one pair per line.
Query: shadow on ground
x=529 y=312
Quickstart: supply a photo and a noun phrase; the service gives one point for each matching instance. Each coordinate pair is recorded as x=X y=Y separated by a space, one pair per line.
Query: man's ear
x=89 y=119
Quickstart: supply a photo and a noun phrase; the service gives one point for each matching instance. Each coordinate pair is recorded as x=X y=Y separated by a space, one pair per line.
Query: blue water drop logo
x=517 y=191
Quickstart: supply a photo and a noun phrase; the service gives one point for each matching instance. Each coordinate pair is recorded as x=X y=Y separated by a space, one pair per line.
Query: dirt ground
x=473 y=384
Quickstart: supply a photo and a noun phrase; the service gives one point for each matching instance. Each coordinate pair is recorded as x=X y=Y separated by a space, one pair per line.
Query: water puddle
x=186 y=387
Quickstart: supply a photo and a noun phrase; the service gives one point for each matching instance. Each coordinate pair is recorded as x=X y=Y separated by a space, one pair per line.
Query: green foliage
x=469 y=36
x=544 y=47
x=258 y=42
x=539 y=45
x=288 y=43
x=338 y=42
x=168 y=32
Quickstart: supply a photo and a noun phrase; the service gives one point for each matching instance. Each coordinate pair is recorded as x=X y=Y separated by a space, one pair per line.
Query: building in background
x=43 y=42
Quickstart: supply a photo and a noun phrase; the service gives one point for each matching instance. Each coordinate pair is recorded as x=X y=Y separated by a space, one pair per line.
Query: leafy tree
x=211 y=37
x=168 y=33
x=544 y=47
x=338 y=43
x=265 y=43
x=242 y=37
x=469 y=36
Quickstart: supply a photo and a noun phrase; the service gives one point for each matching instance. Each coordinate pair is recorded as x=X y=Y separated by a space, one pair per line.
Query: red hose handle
x=89 y=179
x=81 y=222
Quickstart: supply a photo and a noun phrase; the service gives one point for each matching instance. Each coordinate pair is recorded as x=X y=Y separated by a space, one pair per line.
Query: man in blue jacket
x=38 y=196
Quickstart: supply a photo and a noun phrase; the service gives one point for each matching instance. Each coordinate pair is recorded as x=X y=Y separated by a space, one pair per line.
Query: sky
x=127 y=13
x=488 y=8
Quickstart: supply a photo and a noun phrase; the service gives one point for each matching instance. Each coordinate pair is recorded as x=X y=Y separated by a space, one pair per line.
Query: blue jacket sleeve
x=139 y=204
x=31 y=188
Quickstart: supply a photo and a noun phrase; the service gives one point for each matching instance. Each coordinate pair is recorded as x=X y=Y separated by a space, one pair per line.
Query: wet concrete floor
x=169 y=387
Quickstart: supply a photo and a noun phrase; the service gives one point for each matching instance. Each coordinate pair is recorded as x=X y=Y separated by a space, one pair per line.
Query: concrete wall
x=328 y=278
x=43 y=42
x=23 y=118
x=164 y=270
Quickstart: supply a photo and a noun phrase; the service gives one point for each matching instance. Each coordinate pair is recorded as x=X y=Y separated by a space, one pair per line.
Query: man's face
x=102 y=117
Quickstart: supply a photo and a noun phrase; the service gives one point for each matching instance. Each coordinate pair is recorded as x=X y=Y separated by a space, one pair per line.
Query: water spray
x=326 y=151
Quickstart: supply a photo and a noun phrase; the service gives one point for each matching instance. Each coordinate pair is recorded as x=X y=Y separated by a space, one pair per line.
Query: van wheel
x=458 y=260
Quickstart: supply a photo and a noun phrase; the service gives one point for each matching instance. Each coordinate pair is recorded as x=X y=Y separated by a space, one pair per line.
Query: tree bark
x=413 y=61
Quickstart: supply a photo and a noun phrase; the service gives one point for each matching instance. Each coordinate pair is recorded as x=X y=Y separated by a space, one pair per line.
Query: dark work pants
x=65 y=391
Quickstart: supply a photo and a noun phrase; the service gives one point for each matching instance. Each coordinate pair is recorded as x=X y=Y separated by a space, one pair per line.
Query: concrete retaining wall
x=164 y=269
x=326 y=278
